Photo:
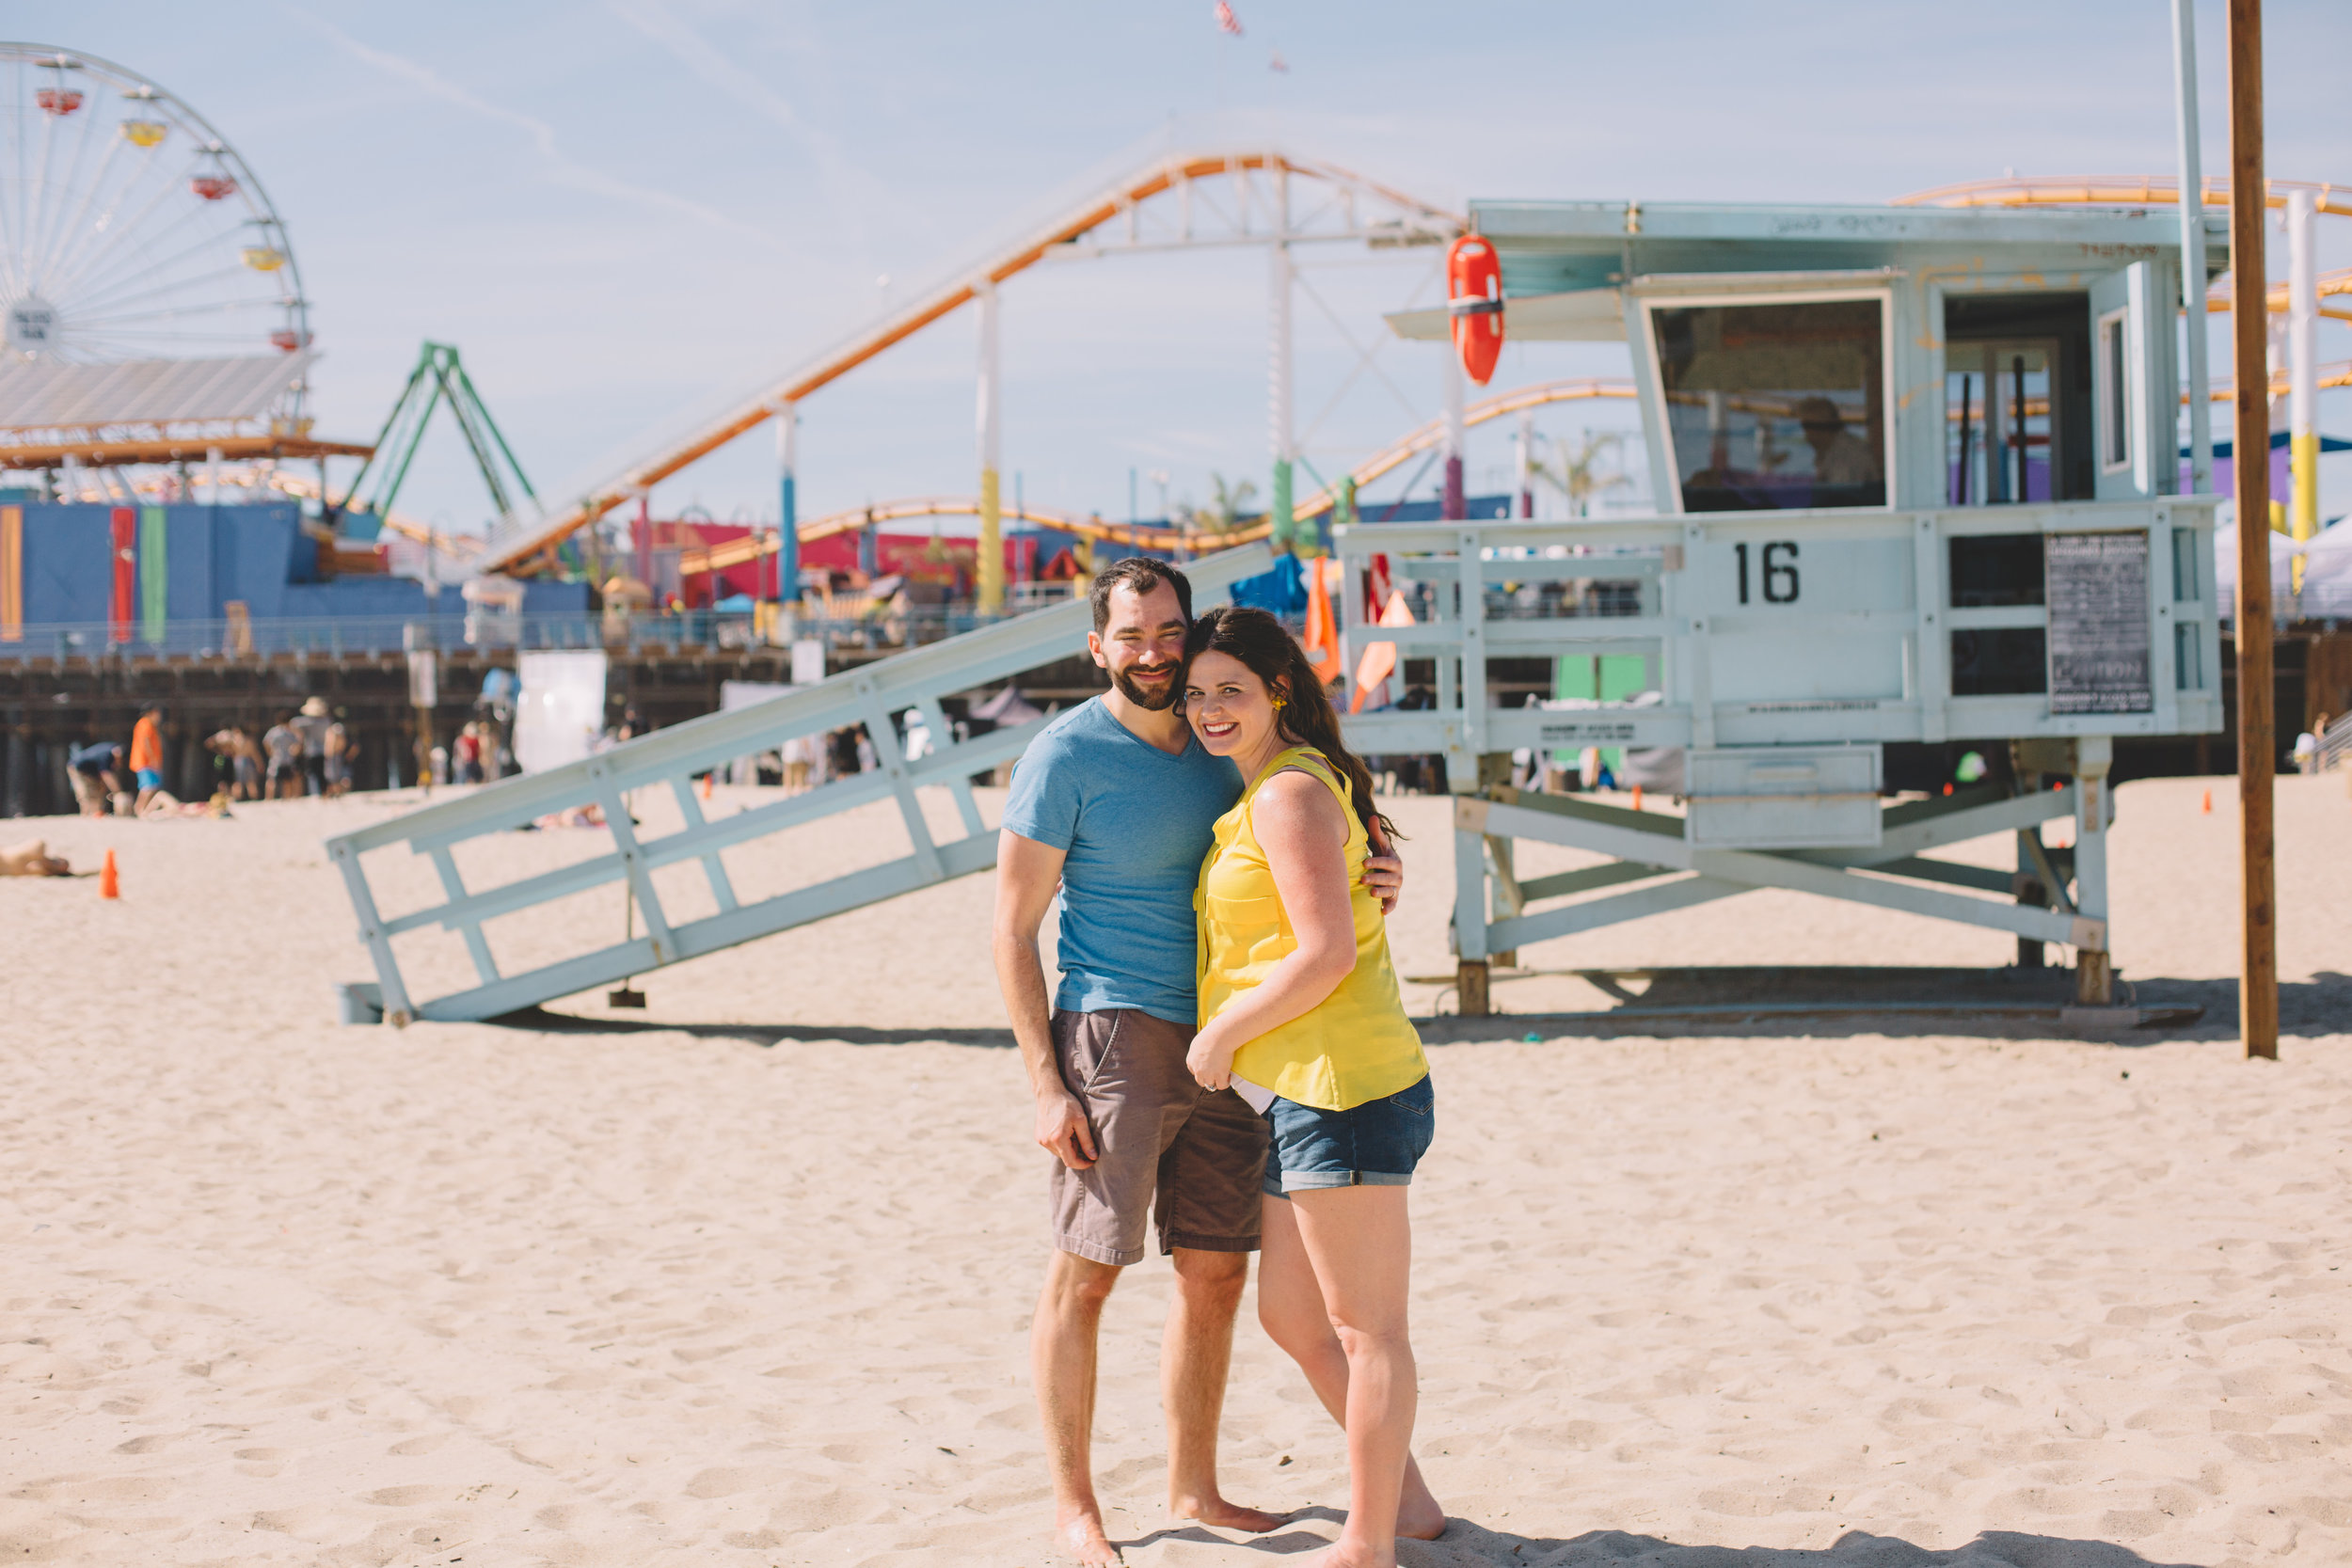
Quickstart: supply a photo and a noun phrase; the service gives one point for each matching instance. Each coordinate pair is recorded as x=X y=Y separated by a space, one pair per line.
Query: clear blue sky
x=621 y=209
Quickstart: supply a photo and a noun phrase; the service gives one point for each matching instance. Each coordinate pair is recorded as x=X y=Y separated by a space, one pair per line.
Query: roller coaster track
x=1423 y=439
x=2152 y=190
x=2115 y=190
x=519 y=539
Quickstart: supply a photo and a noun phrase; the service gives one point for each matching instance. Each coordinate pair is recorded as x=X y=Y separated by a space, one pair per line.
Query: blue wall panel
x=552 y=598
x=348 y=598
x=69 y=560
x=262 y=538
x=302 y=552
x=192 y=591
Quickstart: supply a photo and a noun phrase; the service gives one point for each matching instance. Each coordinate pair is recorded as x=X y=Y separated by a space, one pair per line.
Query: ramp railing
x=666 y=764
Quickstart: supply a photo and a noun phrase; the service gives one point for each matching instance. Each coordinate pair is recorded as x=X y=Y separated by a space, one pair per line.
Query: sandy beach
x=746 y=1279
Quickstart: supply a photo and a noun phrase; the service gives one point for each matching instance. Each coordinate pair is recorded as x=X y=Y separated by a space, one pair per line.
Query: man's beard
x=1144 y=697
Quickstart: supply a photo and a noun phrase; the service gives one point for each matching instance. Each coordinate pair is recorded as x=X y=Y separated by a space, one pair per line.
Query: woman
x=1300 y=1013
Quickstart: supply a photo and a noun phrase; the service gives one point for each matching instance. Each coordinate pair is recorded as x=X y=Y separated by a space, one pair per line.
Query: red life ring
x=1475 y=301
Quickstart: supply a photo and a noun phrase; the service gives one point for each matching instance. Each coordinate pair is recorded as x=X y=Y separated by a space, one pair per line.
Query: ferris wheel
x=129 y=227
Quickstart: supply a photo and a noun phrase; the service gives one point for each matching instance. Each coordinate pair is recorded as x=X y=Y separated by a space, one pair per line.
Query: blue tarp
x=1281 y=591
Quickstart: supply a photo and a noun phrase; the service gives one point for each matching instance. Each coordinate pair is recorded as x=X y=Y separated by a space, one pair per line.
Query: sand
x=748 y=1280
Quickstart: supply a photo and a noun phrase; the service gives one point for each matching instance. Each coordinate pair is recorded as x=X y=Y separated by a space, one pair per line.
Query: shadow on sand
x=1992 y=1004
x=541 y=1020
x=1763 y=1003
x=1467 y=1545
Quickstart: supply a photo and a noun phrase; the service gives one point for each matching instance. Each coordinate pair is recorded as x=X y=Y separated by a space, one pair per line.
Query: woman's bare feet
x=1344 y=1553
x=1419 y=1516
x=1080 y=1536
x=1216 y=1512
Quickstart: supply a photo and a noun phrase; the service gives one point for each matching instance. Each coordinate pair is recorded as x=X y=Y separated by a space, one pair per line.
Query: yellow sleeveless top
x=1355 y=1045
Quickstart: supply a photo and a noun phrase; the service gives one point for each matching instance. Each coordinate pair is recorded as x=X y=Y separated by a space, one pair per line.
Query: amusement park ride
x=154 y=310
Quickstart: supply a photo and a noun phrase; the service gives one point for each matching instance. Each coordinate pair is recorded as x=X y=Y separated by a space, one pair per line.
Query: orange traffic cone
x=109 y=885
x=2205 y=806
x=707 y=778
x=1637 y=797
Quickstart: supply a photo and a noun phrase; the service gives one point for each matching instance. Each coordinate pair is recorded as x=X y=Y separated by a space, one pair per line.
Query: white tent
x=2327 y=573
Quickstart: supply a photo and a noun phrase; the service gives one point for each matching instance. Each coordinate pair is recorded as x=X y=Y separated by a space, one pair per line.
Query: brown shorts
x=1193 y=1157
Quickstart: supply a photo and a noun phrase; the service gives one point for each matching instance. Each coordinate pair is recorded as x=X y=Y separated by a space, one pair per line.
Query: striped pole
x=2302 y=372
x=789 y=531
x=2192 y=246
x=991 y=586
x=1279 y=378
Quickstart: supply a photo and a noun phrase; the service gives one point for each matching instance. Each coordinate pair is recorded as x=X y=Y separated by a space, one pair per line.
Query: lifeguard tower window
x=2017 y=399
x=2114 y=421
x=1998 y=571
x=1775 y=406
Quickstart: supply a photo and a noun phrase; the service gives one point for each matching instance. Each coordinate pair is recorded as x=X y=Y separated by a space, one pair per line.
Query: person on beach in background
x=284 y=746
x=147 y=754
x=244 y=761
x=311 y=724
x=32 y=859
x=466 y=754
x=338 y=758
x=96 y=772
x=1115 y=804
x=223 y=745
x=1300 y=1014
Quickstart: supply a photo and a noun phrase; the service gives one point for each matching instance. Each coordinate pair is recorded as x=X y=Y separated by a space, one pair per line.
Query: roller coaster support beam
x=1456 y=503
x=992 y=435
x=788 y=502
x=2193 y=280
x=2302 y=372
x=1279 y=370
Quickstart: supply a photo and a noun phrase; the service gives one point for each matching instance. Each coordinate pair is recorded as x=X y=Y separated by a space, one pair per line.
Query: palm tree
x=1575 y=470
x=1223 y=514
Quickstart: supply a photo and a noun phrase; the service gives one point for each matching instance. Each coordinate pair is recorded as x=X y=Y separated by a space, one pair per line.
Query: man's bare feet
x=1080 y=1536
x=1224 y=1515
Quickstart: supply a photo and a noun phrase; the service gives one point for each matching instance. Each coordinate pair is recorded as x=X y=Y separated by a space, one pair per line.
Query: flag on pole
x=1380 y=660
x=1226 y=21
x=1322 y=641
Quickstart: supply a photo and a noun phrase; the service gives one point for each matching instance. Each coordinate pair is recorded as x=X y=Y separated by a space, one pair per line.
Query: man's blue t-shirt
x=1135 y=824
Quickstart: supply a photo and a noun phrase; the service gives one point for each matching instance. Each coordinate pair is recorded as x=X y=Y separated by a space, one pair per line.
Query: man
x=1840 y=458
x=96 y=770
x=147 y=754
x=284 y=746
x=311 y=724
x=1116 y=804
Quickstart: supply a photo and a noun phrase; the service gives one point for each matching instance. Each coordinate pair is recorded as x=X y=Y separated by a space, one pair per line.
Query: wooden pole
x=2258 y=976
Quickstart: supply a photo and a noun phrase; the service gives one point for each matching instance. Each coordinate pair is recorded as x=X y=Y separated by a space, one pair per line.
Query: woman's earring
x=1280 y=702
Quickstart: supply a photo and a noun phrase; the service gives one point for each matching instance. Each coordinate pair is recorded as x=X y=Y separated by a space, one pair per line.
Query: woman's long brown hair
x=1307 y=716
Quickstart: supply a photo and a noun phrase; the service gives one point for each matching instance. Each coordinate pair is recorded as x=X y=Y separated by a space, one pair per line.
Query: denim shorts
x=1374 y=1144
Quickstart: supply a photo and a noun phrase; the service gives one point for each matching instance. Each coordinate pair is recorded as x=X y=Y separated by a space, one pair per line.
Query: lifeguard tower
x=1916 y=478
